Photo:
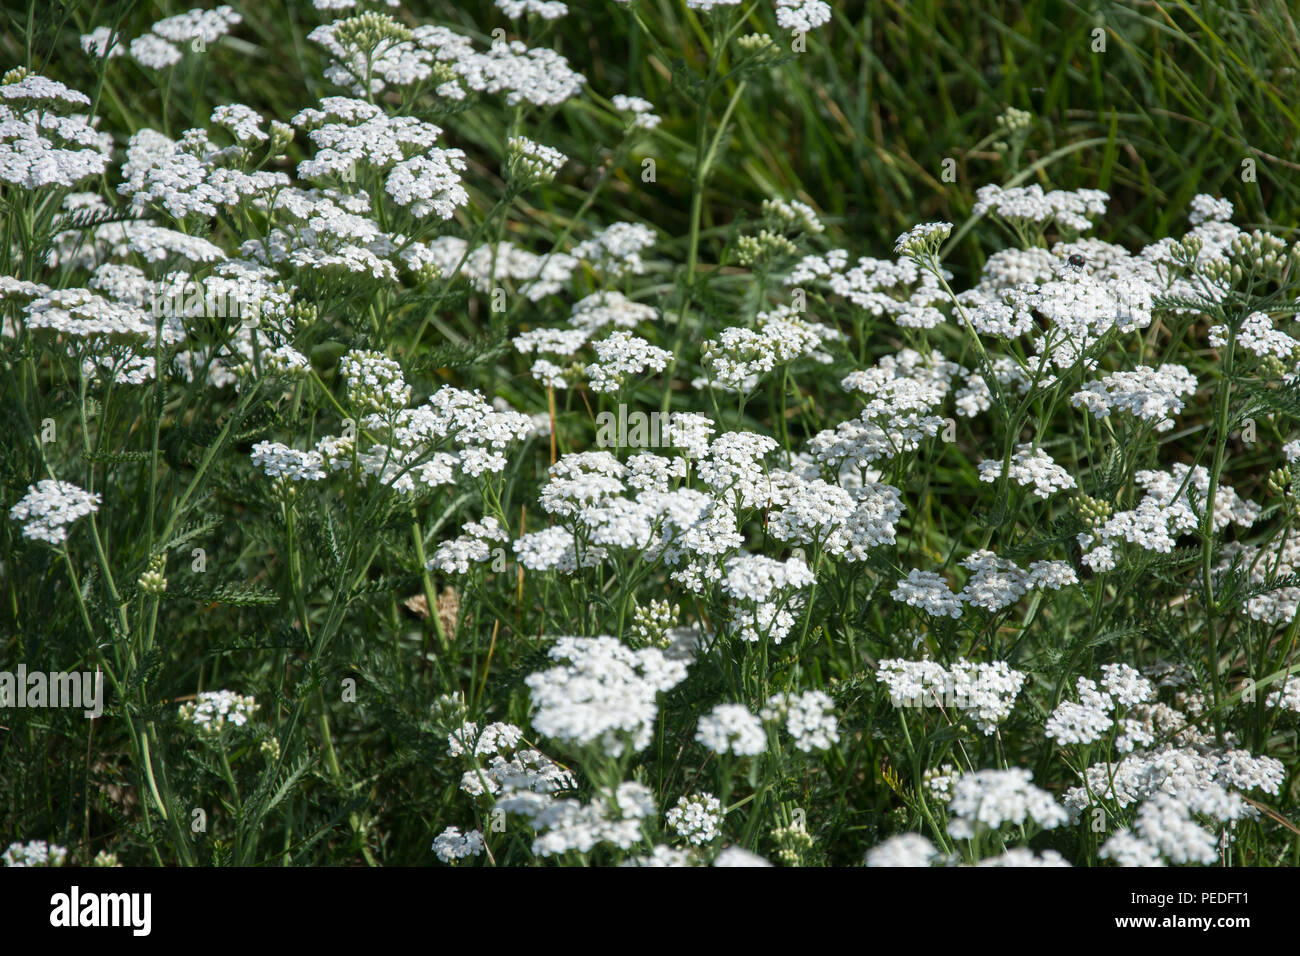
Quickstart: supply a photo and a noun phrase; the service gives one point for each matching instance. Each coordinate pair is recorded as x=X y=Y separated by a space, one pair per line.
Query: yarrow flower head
x=602 y=694
x=50 y=507
x=214 y=711
x=34 y=853
x=696 y=818
x=732 y=729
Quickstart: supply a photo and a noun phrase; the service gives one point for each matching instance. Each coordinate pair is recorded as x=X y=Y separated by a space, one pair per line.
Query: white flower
x=991 y=798
x=34 y=853
x=1032 y=468
x=153 y=52
x=808 y=717
x=622 y=355
x=928 y=591
x=731 y=728
x=696 y=818
x=50 y=507
x=605 y=695
x=1083 y=722
x=451 y=845
x=802 y=15
x=735 y=855
x=278 y=460
x=1154 y=395
x=211 y=712
x=906 y=850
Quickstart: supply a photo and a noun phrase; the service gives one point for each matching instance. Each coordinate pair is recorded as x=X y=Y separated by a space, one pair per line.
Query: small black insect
x=1077 y=261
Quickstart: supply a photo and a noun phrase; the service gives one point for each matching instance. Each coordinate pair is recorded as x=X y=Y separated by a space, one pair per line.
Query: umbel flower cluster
x=895 y=556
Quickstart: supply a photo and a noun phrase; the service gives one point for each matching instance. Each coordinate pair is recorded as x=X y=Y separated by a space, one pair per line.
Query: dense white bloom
x=451 y=845
x=1083 y=722
x=278 y=460
x=1152 y=394
x=153 y=52
x=476 y=544
x=34 y=853
x=605 y=695
x=764 y=595
x=985 y=692
x=696 y=818
x=1173 y=505
x=538 y=76
x=1030 y=205
x=546 y=9
x=735 y=855
x=643 y=115
x=39 y=147
x=212 y=711
x=622 y=355
x=616 y=250
x=50 y=507
x=732 y=729
x=205 y=26
x=991 y=798
x=1206 y=208
x=1257 y=335
x=95 y=43
x=1032 y=468
x=906 y=849
x=802 y=15
x=928 y=591
x=808 y=717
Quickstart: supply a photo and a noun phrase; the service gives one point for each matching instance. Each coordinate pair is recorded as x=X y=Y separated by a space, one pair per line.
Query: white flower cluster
x=696 y=818
x=1257 y=335
x=39 y=145
x=499 y=765
x=1152 y=394
x=34 y=853
x=603 y=695
x=802 y=15
x=475 y=544
x=732 y=729
x=1031 y=468
x=809 y=719
x=1173 y=505
x=615 y=251
x=985 y=692
x=764 y=595
x=621 y=355
x=740 y=356
x=352 y=136
x=545 y=9
x=1088 y=719
x=451 y=845
x=50 y=507
x=1030 y=206
x=375 y=382
x=995 y=583
x=278 y=460
x=538 y=76
x=642 y=110
x=988 y=799
x=212 y=711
